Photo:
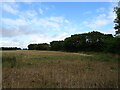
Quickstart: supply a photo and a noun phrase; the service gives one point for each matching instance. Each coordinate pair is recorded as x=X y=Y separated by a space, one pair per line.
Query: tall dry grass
x=50 y=69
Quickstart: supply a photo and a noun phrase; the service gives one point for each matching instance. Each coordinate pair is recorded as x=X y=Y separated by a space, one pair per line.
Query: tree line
x=91 y=41
x=42 y=46
x=9 y=48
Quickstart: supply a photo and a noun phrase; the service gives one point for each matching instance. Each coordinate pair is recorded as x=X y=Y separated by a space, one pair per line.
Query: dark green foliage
x=57 y=45
x=92 y=41
x=32 y=47
x=112 y=45
x=117 y=20
x=42 y=46
x=24 y=49
x=9 y=48
x=75 y=43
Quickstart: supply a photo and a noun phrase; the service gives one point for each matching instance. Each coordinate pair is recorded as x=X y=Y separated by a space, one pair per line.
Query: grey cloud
x=22 y=30
x=8 y=32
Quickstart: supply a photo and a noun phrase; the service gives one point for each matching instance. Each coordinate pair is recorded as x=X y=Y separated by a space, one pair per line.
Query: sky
x=25 y=23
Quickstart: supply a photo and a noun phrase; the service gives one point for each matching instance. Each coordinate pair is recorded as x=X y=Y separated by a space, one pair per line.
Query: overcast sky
x=24 y=23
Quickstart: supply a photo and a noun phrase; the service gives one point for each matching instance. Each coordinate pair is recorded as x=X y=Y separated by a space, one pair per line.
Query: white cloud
x=71 y=28
x=98 y=22
x=111 y=14
x=60 y=36
x=30 y=13
x=9 y=8
x=32 y=38
x=40 y=10
x=40 y=38
x=58 y=19
x=108 y=31
x=13 y=22
x=30 y=17
x=51 y=23
x=12 y=43
x=101 y=20
x=46 y=38
x=45 y=23
x=22 y=27
x=100 y=10
x=43 y=38
x=29 y=25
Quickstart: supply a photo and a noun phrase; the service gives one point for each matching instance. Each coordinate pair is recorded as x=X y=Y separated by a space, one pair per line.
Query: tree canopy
x=117 y=19
x=91 y=41
x=42 y=46
x=9 y=48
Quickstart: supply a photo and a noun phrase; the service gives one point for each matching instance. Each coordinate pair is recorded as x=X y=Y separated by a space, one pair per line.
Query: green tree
x=117 y=20
x=112 y=45
x=91 y=41
x=75 y=43
x=57 y=45
x=95 y=40
x=32 y=46
x=42 y=46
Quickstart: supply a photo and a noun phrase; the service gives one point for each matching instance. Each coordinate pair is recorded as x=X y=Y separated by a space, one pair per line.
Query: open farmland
x=55 y=69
